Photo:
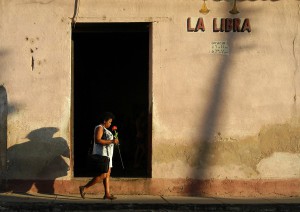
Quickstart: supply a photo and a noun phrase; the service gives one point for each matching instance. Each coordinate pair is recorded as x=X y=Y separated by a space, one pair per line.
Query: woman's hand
x=116 y=141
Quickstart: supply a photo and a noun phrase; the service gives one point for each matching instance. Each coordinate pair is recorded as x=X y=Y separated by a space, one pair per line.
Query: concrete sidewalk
x=56 y=202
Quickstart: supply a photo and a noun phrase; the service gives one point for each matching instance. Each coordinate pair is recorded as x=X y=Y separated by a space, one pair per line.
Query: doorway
x=111 y=73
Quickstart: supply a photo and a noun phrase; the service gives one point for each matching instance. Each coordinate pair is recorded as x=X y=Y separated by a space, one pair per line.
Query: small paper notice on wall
x=220 y=47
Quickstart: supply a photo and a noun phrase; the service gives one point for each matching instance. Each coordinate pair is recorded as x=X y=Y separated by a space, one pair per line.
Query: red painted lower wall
x=173 y=187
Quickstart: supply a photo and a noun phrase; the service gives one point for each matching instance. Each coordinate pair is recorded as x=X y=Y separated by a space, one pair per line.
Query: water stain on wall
x=243 y=156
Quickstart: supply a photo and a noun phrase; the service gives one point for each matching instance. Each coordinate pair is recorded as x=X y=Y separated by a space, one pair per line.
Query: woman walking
x=104 y=145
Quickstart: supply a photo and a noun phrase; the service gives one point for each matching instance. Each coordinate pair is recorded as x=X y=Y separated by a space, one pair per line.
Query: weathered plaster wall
x=214 y=116
x=233 y=116
x=272 y=153
x=36 y=72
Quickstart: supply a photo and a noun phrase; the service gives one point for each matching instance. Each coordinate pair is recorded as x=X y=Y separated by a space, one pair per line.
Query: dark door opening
x=111 y=73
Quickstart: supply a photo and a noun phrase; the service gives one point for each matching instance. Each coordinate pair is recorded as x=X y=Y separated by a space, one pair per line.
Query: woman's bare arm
x=99 y=133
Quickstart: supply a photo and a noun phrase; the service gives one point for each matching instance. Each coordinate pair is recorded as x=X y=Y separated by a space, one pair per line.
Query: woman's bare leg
x=90 y=183
x=93 y=181
x=106 y=183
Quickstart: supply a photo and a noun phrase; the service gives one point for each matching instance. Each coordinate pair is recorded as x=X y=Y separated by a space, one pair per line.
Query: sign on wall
x=220 y=25
x=220 y=47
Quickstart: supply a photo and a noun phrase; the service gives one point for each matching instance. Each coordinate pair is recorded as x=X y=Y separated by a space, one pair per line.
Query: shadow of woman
x=39 y=161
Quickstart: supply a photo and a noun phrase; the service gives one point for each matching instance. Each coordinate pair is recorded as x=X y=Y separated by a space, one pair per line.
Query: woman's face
x=107 y=123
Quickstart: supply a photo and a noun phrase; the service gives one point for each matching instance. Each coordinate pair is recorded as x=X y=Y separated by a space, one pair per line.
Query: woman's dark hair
x=108 y=115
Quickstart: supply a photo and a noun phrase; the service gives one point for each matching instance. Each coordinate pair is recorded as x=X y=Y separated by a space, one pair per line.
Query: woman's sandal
x=82 y=193
x=111 y=197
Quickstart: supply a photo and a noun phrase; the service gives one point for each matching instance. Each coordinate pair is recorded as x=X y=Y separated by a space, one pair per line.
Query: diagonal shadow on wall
x=213 y=111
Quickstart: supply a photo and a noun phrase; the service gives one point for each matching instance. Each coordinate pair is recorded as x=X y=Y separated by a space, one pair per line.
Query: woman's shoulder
x=99 y=126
